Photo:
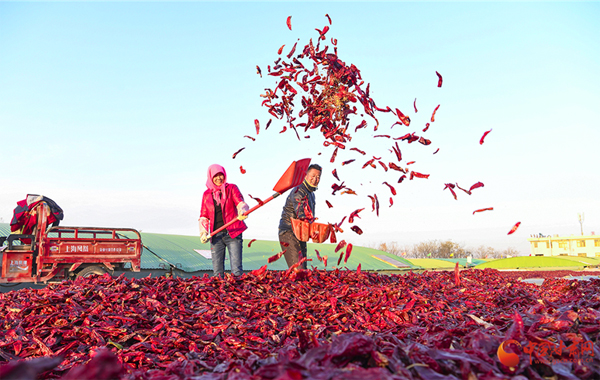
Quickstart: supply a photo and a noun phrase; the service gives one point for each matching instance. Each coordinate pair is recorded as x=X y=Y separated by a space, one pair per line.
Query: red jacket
x=234 y=205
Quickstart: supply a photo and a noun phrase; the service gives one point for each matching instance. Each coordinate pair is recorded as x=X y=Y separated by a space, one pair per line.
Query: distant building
x=582 y=246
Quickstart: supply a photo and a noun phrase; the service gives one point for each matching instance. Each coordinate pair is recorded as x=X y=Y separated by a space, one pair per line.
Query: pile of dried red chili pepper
x=301 y=324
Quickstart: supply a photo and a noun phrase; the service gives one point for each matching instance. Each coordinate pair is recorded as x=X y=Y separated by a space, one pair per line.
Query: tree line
x=444 y=250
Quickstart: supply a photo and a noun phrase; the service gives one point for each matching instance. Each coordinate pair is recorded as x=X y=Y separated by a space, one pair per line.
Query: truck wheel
x=89 y=271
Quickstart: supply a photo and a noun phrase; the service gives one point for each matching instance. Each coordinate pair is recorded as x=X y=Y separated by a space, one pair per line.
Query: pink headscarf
x=218 y=192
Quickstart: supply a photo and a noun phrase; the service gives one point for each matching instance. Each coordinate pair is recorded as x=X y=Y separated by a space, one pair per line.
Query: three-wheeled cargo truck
x=55 y=253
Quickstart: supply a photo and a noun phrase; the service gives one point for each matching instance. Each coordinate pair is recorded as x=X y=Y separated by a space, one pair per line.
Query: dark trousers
x=295 y=249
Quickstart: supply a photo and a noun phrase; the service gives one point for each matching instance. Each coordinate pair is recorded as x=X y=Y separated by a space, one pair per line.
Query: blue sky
x=115 y=111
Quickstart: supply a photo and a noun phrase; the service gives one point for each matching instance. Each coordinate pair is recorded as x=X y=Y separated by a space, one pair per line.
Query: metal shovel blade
x=293 y=176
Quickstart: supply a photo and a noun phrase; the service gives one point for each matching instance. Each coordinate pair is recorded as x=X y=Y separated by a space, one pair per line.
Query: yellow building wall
x=582 y=246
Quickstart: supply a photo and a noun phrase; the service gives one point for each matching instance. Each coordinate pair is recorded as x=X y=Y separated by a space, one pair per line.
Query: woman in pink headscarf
x=221 y=203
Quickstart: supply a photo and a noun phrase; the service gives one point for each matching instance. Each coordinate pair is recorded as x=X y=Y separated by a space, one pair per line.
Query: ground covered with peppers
x=302 y=324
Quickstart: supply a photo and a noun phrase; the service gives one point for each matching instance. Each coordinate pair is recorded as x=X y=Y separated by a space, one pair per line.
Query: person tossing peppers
x=221 y=203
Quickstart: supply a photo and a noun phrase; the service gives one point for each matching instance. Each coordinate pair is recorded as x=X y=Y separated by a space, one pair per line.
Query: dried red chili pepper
x=242 y=170
x=392 y=189
x=418 y=175
x=450 y=187
x=358 y=150
x=439 y=79
x=328 y=18
x=403 y=118
x=356 y=229
x=289 y=22
x=483 y=137
x=354 y=214
x=328 y=204
x=250 y=242
x=258 y=71
x=260 y=202
x=236 y=153
x=348 y=252
x=415 y=105
x=433 y=114
x=276 y=257
x=514 y=228
x=347 y=162
x=475 y=186
x=257 y=125
x=250 y=137
x=334 y=172
x=483 y=209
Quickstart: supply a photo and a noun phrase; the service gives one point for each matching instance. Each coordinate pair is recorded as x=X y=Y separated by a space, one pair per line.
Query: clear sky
x=116 y=110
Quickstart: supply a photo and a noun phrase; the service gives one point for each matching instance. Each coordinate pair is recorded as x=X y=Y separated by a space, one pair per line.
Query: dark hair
x=316 y=167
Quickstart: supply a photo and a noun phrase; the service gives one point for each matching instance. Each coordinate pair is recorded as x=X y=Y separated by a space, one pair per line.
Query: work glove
x=242 y=217
x=204 y=238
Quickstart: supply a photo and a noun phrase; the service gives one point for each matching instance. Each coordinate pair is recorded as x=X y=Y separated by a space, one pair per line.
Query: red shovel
x=293 y=176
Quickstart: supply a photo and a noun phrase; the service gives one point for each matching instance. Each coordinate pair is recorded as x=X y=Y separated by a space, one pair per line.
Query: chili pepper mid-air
x=289 y=22
x=415 y=105
x=354 y=214
x=250 y=243
x=426 y=127
x=450 y=187
x=483 y=137
x=391 y=188
x=257 y=125
x=347 y=162
x=328 y=18
x=334 y=172
x=348 y=191
x=250 y=137
x=292 y=51
x=395 y=167
x=483 y=209
x=512 y=230
x=402 y=178
x=260 y=202
x=356 y=229
x=340 y=258
x=268 y=123
x=418 y=175
x=403 y=118
x=391 y=201
x=276 y=256
x=475 y=186
x=337 y=187
x=387 y=136
x=358 y=150
x=340 y=245
x=465 y=190
x=439 y=79
x=328 y=204
x=258 y=71
x=437 y=150
x=433 y=114
x=332 y=159
x=318 y=256
x=280 y=49
x=348 y=252
x=242 y=170
x=236 y=153
x=410 y=162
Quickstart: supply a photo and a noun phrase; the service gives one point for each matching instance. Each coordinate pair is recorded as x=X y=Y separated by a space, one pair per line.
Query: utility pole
x=581 y=219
